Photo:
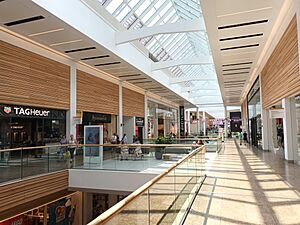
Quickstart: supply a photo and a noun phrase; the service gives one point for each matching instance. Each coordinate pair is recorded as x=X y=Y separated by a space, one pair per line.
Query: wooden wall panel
x=244 y=110
x=27 y=78
x=133 y=103
x=280 y=77
x=96 y=95
x=22 y=192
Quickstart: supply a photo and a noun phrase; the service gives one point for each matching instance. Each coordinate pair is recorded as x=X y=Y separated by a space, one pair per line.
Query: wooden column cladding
x=27 y=78
x=21 y=195
x=96 y=95
x=280 y=77
x=133 y=103
x=244 y=110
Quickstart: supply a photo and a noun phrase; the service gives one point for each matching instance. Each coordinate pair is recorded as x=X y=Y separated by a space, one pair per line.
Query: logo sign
x=60 y=213
x=20 y=111
x=181 y=117
x=139 y=121
x=7 y=109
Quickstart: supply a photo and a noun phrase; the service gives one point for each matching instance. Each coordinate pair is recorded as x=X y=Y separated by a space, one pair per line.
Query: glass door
x=298 y=123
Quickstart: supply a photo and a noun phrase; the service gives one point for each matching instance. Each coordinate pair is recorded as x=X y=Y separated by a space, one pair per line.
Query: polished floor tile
x=247 y=186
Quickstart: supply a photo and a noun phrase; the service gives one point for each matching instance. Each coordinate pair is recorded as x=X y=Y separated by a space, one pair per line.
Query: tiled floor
x=246 y=186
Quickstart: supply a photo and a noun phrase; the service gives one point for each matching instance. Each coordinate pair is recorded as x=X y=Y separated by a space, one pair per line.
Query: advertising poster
x=59 y=213
x=93 y=135
x=19 y=220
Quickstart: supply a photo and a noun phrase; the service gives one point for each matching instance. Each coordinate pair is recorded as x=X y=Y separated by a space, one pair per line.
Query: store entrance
x=139 y=134
x=278 y=136
x=253 y=133
x=26 y=132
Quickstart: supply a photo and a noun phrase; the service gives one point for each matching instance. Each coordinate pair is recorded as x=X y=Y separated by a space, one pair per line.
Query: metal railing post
x=48 y=159
x=22 y=163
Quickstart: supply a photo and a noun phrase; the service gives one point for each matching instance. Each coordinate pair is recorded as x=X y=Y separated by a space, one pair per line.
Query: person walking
x=245 y=137
x=241 y=137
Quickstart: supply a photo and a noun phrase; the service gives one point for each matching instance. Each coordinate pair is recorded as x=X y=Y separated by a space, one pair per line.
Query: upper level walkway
x=247 y=186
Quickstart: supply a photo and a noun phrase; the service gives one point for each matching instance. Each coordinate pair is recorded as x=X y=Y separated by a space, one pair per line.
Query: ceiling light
x=45 y=32
x=66 y=42
x=248 y=11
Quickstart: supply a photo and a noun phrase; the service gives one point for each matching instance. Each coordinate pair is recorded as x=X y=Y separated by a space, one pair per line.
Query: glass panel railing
x=24 y=162
x=163 y=200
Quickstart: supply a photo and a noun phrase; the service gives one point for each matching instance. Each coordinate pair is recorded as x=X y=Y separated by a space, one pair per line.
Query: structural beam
x=185 y=61
x=210 y=77
x=204 y=96
x=198 y=88
x=178 y=27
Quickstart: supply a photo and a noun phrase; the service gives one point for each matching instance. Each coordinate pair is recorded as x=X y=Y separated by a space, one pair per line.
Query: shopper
x=63 y=149
x=245 y=138
x=114 y=138
x=124 y=139
x=241 y=137
x=124 y=152
x=72 y=148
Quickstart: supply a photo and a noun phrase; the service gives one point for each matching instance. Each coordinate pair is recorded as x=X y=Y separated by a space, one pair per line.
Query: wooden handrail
x=116 y=209
x=99 y=145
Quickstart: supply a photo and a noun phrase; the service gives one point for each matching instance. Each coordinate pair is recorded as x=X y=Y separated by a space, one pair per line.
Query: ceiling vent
x=107 y=64
x=80 y=49
x=239 y=47
x=95 y=57
x=237 y=64
x=241 y=37
x=22 y=21
x=243 y=24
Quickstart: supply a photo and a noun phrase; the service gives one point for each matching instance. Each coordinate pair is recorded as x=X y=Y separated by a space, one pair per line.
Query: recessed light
x=66 y=42
x=45 y=32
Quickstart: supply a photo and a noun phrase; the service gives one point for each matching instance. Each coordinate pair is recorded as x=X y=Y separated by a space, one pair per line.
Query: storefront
x=64 y=211
x=22 y=126
x=139 y=128
x=162 y=120
x=109 y=123
x=254 y=115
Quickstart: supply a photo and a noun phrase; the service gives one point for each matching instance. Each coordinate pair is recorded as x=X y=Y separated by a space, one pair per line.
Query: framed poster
x=93 y=135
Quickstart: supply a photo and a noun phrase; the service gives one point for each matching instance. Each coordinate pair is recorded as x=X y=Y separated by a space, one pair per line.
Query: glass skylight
x=135 y=14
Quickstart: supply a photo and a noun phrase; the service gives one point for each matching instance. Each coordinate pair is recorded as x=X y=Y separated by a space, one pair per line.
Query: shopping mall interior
x=149 y=112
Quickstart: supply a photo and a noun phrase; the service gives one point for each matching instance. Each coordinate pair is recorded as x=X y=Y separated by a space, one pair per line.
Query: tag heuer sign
x=7 y=109
x=27 y=111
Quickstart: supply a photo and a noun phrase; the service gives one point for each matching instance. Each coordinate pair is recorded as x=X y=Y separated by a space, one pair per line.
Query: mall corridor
x=246 y=187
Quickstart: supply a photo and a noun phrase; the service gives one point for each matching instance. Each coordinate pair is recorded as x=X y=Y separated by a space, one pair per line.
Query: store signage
x=139 y=121
x=181 y=120
x=19 y=220
x=96 y=118
x=31 y=112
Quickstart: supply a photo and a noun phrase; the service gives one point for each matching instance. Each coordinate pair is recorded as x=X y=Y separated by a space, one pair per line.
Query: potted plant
x=161 y=140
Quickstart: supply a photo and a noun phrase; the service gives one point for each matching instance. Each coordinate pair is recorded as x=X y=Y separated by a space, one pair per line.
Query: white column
x=188 y=122
x=266 y=129
x=120 y=117
x=204 y=123
x=198 y=121
x=225 y=123
x=146 y=116
x=289 y=128
x=71 y=123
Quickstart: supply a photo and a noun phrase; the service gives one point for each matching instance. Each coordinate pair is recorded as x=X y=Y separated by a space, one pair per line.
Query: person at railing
x=138 y=150
x=200 y=142
x=63 y=149
x=124 y=152
x=73 y=144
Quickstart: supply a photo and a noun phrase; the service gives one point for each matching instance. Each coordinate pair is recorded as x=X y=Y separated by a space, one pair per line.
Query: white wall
x=86 y=180
x=128 y=128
